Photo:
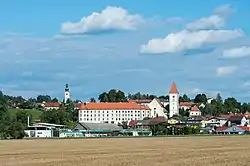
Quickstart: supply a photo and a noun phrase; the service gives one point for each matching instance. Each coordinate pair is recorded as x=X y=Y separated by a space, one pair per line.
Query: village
x=140 y=118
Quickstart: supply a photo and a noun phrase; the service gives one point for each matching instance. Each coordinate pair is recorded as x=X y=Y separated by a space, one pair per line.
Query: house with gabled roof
x=236 y=120
x=232 y=130
x=51 y=105
x=157 y=109
x=186 y=105
x=194 y=111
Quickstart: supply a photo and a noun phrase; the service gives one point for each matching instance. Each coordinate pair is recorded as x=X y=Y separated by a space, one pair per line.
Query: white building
x=186 y=105
x=66 y=93
x=173 y=101
x=157 y=109
x=39 y=131
x=194 y=111
x=112 y=112
x=209 y=100
x=51 y=105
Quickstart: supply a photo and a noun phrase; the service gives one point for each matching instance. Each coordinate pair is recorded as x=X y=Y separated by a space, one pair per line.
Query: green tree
x=219 y=98
x=112 y=96
x=184 y=98
x=232 y=105
x=54 y=100
x=200 y=98
x=245 y=107
x=22 y=117
x=56 y=116
x=16 y=130
x=92 y=100
x=103 y=97
x=42 y=98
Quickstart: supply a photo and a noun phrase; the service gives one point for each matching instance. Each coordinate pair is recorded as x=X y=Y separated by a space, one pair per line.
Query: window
x=80 y=119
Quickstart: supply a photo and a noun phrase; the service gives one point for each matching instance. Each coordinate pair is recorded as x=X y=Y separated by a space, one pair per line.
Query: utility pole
x=28 y=121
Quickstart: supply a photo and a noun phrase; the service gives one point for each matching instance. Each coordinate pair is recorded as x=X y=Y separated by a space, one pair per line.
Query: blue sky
x=131 y=45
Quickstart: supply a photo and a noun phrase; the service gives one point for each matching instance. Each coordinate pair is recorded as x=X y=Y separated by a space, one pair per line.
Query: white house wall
x=39 y=133
x=194 y=113
x=173 y=104
x=156 y=109
x=112 y=116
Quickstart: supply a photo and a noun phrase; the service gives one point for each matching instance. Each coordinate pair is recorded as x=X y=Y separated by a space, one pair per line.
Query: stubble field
x=189 y=151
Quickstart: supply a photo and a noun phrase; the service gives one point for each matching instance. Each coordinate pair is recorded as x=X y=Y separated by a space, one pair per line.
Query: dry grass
x=225 y=150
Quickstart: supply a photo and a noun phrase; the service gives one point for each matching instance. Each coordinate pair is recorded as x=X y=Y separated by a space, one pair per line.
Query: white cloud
x=186 y=40
x=217 y=20
x=111 y=18
x=214 y=21
x=226 y=70
x=239 y=52
x=223 y=10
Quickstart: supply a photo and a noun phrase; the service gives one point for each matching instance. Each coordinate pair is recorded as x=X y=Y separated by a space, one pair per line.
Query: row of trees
x=10 y=126
x=229 y=105
x=165 y=129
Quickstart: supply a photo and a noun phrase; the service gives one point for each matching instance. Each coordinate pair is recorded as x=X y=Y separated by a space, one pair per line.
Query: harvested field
x=189 y=151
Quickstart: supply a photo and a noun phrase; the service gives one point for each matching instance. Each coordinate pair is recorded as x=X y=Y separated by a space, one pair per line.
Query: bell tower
x=173 y=100
x=66 y=93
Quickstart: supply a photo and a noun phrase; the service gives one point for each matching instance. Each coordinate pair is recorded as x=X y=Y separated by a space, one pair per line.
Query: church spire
x=173 y=88
x=66 y=87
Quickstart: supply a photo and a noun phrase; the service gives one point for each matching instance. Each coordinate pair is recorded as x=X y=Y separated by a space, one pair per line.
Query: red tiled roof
x=222 y=128
x=225 y=116
x=113 y=106
x=246 y=128
x=173 y=88
x=189 y=104
x=140 y=101
x=195 y=108
x=50 y=104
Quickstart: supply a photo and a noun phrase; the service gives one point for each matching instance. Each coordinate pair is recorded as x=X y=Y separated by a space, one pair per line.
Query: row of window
x=107 y=115
x=108 y=111
x=104 y=119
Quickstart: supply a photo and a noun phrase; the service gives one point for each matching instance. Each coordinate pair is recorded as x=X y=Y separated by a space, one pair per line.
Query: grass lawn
x=35 y=113
x=165 y=151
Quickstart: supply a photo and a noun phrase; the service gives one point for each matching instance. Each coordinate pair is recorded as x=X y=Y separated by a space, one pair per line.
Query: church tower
x=66 y=93
x=173 y=100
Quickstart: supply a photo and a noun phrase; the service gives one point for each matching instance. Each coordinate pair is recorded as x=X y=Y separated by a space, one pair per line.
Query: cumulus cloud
x=110 y=19
x=214 y=21
x=217 y=20
x=223 y=10
x=187 y=40
x=239 y=52
x=226 y=70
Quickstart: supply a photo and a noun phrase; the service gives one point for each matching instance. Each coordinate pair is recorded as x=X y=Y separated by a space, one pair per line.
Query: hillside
x=35 y=113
